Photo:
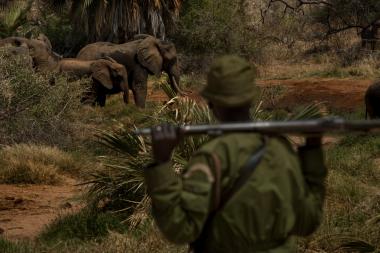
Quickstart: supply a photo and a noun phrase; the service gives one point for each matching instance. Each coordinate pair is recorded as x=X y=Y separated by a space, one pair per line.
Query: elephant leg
x=139 y=87
x=139 y=95
x=126 y=97
x=101 y=100
x=88 y=97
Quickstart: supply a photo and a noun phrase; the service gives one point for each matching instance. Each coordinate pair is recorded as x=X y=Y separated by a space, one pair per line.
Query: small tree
x=215 y=27
x=336 y=16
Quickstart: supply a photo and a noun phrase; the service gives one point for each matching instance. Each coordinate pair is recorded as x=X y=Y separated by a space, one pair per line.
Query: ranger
x=240 y=192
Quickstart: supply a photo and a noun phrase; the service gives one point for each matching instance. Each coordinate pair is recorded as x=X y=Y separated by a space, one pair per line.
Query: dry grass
x=326 y=67
x=138 y=241
x=352 y=208
x=32 y=164
x=148 y=243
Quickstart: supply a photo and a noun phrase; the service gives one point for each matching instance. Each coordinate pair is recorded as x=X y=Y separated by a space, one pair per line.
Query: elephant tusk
x=179 y=91
x=110 y=59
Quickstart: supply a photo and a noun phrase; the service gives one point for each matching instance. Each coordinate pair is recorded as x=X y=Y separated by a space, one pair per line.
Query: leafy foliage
x=335 y=15
x=14 y=15
x=31 y=108
x=118 y=21
x=84 y=225
x=215 y=27
x=339 y=15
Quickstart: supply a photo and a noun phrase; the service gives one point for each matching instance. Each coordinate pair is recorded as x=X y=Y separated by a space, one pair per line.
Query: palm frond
x=127 y=143
x=110 y=19
x=344 y=243
x=356 y=245
x=15 y=16
x=311 y=111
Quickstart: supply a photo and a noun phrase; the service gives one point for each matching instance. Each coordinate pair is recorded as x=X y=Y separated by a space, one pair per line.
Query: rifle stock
x=296 y=127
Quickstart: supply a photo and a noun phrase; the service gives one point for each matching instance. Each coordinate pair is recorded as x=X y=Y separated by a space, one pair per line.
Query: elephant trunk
x=174 y=80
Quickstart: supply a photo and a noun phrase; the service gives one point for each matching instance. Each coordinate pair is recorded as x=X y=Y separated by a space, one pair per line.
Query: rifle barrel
x=303 y=127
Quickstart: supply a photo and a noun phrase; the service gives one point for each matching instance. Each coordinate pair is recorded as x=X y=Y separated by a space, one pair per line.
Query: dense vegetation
x=47 y=136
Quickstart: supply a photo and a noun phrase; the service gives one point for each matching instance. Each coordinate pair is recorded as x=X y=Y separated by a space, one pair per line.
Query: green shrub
x=214 y=27
x=85 y=225
x=355 y=156
x=63 y=38
x=16 y=247
x=32 y=109
x=33 y=164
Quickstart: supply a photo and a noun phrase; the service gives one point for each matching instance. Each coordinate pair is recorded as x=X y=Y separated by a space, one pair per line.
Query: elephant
x=39 y=49
x=142 y=56
x=372 y=101
x=109 y=77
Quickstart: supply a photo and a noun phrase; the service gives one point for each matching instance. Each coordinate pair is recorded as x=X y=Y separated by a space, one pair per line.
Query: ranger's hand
x=164 y=139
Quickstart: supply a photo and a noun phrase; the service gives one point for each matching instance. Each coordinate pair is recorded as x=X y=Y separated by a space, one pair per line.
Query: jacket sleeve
x=309 y=208
x=180 y=204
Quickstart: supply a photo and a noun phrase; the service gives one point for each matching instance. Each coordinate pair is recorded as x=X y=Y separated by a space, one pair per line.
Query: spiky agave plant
x=121 y=184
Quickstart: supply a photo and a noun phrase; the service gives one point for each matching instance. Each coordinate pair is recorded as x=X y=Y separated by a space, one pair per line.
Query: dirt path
x=340 y=94
x=26 y=209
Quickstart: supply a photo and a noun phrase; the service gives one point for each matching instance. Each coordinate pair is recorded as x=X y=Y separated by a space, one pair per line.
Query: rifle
x=296 y=127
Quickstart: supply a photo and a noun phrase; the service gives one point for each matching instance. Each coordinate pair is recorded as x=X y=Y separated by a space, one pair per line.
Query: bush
x=85 y=225
x=214 y=28
x=361 y=151
x=16 y=247
x=31 y=108
x=63 y=38
x=32 y=164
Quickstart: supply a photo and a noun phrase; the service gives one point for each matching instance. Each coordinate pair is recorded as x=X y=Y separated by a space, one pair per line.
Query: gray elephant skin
x=108 y=76
x=141 y=57
x=40 y=51
x=372 y=101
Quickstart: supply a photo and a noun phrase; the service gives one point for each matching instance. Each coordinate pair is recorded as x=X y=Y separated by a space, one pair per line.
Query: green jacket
x=283 y=197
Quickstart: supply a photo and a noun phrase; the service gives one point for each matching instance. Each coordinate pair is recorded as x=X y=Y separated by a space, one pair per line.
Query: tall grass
x=351 y=215
x=35 y=164
x=83 y=225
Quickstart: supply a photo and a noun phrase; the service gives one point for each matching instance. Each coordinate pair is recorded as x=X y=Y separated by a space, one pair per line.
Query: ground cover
x=54 y=215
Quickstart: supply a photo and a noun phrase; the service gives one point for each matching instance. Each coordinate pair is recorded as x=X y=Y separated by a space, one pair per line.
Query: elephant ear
x=149 y=56
x=101 y=73
x=42 y=37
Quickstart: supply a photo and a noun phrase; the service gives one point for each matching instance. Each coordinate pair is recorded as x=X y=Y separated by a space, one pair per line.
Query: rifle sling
x=245 y=173
x=244 y=176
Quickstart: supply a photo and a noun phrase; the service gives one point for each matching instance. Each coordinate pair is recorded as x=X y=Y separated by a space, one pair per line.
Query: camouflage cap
x=230 y=82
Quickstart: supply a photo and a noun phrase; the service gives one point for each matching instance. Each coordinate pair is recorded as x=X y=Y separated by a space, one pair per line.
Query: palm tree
x=120 y=20
x=13 y=15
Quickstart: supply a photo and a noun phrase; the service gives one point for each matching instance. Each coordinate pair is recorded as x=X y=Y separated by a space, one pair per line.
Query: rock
x=18 y=201
x=2 y=231
x=9 y=198
x=66 y=205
